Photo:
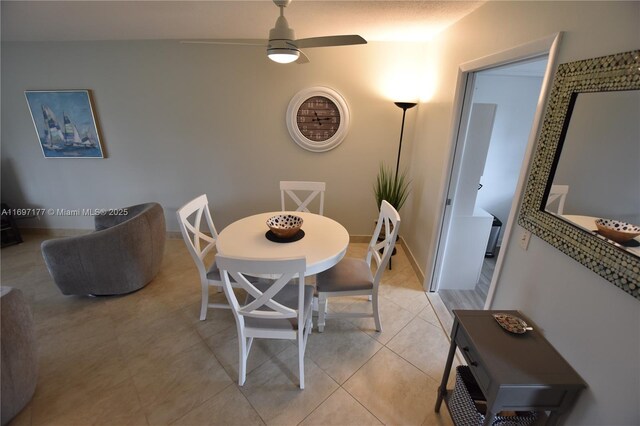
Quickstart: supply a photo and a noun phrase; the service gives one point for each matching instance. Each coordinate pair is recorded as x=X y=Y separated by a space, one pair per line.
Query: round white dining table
x=324 y=243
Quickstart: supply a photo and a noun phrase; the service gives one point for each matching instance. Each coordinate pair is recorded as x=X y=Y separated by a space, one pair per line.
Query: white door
x=490 y=146
x=469 y=226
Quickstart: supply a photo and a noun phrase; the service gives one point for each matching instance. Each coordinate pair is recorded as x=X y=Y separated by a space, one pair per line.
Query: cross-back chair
x=200 y=237
x=351 y=276
x=559 y=193
x=294 y=188
x=272 y=310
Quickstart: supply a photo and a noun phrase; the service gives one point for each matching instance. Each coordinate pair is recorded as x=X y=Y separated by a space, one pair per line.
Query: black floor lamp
x=405 y=106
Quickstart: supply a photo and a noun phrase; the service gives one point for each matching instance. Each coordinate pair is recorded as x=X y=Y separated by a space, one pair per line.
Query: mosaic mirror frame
x=604 y=74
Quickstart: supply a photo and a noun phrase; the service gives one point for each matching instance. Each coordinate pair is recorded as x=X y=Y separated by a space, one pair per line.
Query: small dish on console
x=512 y=323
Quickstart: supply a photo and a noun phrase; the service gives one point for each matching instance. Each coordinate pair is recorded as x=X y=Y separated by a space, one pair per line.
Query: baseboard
x=359 y=239
x=55 y=232
x=176 y=235
x=52 y=232
x=412 y=260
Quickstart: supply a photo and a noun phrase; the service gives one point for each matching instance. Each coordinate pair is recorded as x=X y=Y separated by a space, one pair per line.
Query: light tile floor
x=146 y=359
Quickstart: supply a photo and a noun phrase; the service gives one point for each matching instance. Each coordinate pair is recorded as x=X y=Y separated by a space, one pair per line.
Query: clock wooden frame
x=292 y=124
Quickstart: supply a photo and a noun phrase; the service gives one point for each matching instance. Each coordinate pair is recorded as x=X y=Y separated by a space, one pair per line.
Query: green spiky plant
x=393 y=188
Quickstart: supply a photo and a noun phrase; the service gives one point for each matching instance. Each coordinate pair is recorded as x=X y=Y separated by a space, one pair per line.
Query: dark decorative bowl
x=284 y=225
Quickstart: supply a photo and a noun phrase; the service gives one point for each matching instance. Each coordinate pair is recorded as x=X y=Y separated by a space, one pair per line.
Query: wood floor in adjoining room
x=146 y=359
x=471 y=299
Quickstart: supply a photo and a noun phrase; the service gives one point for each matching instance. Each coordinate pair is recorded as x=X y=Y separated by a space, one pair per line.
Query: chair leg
x=376 y=314
x=242 y=359
x=301 y=357
x=205 y=302
x=322 y=311
x=309 y=326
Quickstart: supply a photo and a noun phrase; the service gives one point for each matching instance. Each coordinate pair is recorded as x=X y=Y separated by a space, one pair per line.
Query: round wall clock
x=318 y=118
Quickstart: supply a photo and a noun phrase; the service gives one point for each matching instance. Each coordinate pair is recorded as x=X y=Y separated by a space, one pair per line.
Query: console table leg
x=442 y=390
x=488 y=418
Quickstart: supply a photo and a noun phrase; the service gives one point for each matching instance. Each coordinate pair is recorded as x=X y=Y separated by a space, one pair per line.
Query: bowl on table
x=618 y=231
x=284 y=225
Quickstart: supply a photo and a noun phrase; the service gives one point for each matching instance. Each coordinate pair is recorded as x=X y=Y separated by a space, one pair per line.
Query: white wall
x=516 y=98
x=181 y=120
x=594 y=325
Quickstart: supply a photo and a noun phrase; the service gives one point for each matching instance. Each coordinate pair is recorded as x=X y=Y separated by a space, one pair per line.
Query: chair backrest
x=315 y=189
x=559 y=193
x=200 y=237
x=384 y=239
x=261 y=304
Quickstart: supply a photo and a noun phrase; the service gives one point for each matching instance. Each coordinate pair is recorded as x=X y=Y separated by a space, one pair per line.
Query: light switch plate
x=524 y=239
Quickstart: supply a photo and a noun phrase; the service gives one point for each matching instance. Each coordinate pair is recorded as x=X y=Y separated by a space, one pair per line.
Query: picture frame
x=65 y=123
x=613 y=73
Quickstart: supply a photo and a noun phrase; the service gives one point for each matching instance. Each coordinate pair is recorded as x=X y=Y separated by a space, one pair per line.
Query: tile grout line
x=194 y=327
x=234 y=382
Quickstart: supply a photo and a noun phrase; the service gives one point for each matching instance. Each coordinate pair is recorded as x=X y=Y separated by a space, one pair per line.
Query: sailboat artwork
x=76 y=136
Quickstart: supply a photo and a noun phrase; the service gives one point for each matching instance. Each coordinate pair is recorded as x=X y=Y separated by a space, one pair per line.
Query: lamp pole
x=405 y=106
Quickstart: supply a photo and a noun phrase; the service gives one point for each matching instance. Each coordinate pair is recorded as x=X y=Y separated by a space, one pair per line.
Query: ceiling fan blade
x=340 y=40
x=302 y=59
x=237 y=42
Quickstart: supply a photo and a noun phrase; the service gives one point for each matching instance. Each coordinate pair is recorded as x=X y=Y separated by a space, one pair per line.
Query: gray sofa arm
x=119 y=259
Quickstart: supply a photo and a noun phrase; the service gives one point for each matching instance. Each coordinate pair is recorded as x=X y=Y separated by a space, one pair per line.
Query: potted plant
x=392 y=188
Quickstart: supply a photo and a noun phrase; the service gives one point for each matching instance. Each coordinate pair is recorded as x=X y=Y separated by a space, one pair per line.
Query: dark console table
x=516 y=372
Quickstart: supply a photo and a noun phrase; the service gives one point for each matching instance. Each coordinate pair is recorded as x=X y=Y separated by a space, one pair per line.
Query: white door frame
x=545 y=46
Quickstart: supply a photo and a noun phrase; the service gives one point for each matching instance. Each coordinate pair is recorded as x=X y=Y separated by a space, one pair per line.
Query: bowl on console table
x=618 y=231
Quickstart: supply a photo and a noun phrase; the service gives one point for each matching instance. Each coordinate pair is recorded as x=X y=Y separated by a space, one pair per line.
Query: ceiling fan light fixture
x=283 y=55
x=282 y=45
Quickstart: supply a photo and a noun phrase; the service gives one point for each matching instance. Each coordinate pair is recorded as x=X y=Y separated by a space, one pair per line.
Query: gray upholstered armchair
x=121 y=256
x=19 y=360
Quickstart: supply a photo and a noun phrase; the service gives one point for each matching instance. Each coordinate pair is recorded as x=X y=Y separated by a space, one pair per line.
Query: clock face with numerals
x=318 y=119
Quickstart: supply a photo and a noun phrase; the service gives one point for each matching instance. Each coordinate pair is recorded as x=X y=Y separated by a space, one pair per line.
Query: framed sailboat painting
x=64 y=123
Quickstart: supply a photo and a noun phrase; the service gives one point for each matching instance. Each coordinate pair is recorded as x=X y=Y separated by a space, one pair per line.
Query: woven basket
x=464 y=411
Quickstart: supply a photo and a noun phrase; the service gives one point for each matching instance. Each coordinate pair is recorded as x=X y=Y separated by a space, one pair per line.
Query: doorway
x=496 y=120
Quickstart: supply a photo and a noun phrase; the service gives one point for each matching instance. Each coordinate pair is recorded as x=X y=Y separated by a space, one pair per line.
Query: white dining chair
x=351 y=276
x=272 y=310
x=200 y=238
x=557 y=194
x=294 y=188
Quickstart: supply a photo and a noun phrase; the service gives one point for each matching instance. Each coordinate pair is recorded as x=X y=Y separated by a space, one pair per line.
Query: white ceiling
x=143 y=20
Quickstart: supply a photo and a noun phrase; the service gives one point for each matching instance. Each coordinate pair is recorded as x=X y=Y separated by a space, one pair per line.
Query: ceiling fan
x=282 y=46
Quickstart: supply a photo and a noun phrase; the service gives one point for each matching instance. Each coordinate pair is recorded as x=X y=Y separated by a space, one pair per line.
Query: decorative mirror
x=585 y=174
